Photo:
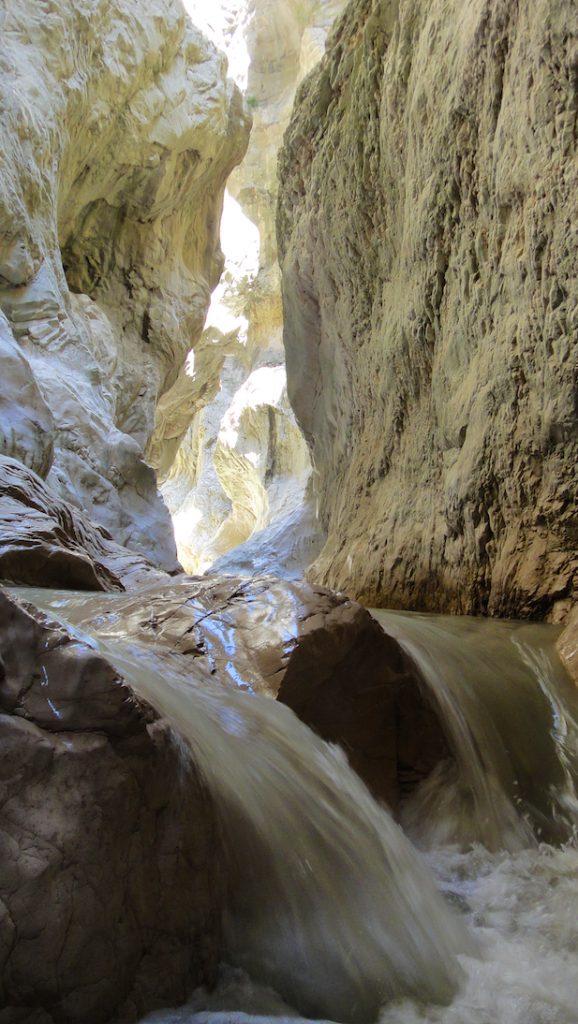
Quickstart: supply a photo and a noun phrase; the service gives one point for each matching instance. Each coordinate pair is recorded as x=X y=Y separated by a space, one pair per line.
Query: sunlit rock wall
x=428 y=223
x=119 y=128
x=243 y=463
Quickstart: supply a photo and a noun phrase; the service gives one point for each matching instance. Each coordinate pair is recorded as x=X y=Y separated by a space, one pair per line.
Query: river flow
x=335 y=914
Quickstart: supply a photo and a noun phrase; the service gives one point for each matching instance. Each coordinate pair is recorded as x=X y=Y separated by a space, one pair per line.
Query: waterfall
x=331 y=909
x=511 y=715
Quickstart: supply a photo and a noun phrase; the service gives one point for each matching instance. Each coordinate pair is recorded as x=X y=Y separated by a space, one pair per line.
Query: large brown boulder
x=316 y=651
x=355 y=686
x=111 y=882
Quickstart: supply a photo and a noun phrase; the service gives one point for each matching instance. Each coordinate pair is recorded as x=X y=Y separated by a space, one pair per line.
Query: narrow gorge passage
x=288 y=512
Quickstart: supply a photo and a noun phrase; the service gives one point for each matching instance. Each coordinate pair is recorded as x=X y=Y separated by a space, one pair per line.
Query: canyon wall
x=119 y=131
x=242 y=467
x=428 y=222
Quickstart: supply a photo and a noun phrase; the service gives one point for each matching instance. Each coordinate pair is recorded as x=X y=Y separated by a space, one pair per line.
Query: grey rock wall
x=428 y=227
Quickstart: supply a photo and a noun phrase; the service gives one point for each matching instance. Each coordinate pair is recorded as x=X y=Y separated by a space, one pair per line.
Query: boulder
x=318 y=652
x=112 y=882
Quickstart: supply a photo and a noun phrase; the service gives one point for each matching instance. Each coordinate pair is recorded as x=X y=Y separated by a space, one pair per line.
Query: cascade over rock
x=427 y=229
x=119 y=130
x=319 y=653
x=98 y=807
x=111 y=896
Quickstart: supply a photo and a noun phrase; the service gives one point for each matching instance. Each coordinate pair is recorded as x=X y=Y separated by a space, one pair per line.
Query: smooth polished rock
x=316 y=651
x=243 y=467
x=111 y=895
x=45 y=542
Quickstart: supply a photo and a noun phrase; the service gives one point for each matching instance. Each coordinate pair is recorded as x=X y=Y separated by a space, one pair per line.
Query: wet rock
x=45 y=542
x=318 y=652
x=111 y=881
x=355 y=686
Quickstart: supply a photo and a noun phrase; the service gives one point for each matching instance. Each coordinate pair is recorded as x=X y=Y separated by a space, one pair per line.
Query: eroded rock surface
x=44 y=542
x=318 y=652
x=427 y=224
x=112 y=874
x=119 y=130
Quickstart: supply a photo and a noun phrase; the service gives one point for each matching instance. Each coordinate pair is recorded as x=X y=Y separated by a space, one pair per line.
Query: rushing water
x=511 y=714
x=332 y=911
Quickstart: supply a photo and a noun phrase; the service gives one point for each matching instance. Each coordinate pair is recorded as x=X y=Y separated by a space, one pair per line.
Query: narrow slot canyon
x=288 y=512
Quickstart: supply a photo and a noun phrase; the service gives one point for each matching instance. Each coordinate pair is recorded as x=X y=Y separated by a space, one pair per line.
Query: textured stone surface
x=285 y=548
x=110 y=894
x=318 y=652
x=428 y=227
x=46 y=543
x=119 y=130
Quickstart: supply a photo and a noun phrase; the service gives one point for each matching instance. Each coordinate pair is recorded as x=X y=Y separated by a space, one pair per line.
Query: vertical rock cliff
x=119 y=128
x=428 y=233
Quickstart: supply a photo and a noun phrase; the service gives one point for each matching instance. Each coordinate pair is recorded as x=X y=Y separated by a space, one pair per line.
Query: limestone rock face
x=428 y=226
x=119 y=130
x=111 y=894
x=44 y=542
x=318 y=652
x=245 y=467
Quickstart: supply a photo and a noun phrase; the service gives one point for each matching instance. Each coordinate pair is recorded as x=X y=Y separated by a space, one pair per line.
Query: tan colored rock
x=119 y=130
x=427 y=223
x=46 y=543
x=111 y=895
x=318 y=652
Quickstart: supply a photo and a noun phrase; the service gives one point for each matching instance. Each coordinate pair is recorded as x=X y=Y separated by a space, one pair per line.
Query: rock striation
x=111 y=896
x=428 y=227
x=119 y=130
